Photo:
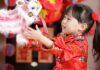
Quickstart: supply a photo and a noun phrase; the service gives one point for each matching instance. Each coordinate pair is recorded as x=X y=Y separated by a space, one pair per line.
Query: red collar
x=71 y=38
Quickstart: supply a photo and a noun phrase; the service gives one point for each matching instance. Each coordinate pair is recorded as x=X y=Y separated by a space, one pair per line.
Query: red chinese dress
x=71 y=52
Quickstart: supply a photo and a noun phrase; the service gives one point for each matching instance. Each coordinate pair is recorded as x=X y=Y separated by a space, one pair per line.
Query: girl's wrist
x=40 y=36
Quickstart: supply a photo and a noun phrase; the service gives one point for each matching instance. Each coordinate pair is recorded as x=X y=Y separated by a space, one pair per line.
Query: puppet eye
x=27 y=0
x=33 y=8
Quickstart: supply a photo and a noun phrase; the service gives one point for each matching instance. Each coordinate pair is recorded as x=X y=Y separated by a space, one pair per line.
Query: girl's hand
x=36 y=34
x=32 y=33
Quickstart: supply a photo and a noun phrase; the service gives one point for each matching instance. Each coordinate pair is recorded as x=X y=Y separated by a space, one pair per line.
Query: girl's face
x=70 y=25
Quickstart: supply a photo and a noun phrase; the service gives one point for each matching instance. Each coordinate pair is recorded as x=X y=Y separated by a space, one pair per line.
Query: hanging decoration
x=23 y=55
x=8 y=67
x=45 y=57
x=9 y=50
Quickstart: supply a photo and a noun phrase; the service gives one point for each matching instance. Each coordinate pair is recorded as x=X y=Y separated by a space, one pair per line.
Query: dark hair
x=83 y=14
x=96 y=41
x=57 y=27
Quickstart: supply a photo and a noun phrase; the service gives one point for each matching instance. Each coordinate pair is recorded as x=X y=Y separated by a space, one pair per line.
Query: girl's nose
x=64 y=21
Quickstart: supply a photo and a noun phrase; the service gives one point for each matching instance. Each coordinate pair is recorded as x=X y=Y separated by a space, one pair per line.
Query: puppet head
x=29 y=10
x=25 y=13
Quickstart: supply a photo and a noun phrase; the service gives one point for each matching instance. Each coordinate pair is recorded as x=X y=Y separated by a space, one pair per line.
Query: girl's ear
x=83 y=27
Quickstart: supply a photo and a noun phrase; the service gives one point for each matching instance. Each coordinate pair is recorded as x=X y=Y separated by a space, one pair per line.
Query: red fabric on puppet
x=10 y=3
x=71 y=52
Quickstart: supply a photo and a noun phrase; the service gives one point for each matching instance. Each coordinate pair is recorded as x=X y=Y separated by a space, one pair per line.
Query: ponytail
x=96 y=41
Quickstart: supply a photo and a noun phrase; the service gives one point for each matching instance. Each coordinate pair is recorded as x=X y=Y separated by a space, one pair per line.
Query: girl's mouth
x=63 y=27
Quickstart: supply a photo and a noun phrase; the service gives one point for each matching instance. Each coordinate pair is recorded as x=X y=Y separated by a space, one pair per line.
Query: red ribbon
x=95 y=16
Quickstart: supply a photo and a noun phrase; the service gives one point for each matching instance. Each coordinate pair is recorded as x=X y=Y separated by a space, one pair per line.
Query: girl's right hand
x=32 y=33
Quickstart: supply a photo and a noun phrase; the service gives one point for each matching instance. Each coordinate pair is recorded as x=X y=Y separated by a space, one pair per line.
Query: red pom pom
x=12 y=2
x=95 y=16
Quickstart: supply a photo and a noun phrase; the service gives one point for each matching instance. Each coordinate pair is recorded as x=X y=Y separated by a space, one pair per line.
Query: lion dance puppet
x=15 y=21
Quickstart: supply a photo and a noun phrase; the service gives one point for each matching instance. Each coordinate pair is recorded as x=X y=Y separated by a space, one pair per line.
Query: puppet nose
x=30 y=14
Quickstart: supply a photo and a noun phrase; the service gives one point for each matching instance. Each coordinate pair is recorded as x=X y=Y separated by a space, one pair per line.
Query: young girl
x=71 y=47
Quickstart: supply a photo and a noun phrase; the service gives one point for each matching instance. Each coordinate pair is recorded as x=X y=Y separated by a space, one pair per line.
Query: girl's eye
x=68 y=19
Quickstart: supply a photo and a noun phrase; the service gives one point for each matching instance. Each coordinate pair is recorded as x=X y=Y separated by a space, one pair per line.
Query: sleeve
x=55 y=50
x=57 y=47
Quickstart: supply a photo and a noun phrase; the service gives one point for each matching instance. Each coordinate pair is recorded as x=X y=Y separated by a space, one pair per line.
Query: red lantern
x=50 y=16
x=8 y=67
x=53 y=16
x=52 y=4
x=52 y=10
x=9 y=50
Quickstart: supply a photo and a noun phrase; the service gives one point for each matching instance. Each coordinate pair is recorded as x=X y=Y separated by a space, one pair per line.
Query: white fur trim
x=21 y=40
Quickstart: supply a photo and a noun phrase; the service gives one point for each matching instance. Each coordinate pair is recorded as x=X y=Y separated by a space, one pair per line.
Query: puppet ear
x=10 y=2
x=19 y=3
